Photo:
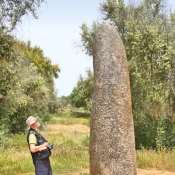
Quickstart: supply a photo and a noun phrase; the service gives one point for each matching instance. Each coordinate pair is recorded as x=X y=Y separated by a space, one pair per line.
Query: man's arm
x=34 y=148
x=33 y=142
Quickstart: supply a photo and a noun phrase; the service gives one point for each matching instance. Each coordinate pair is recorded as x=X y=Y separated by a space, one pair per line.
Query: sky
x=57 y=30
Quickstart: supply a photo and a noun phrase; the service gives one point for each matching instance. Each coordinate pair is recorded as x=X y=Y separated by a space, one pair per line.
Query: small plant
x=85 y=140
x=3 y=138
x=69 y=142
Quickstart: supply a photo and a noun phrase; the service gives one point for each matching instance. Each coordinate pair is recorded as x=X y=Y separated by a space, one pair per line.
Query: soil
x=153 y=172
x=139 y=172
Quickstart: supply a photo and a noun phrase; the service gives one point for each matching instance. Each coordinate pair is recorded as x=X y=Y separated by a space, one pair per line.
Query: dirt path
x=139 y=172
x=153 y=172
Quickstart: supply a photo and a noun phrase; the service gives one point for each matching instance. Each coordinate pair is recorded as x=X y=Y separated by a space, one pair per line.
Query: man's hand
x=46 y=144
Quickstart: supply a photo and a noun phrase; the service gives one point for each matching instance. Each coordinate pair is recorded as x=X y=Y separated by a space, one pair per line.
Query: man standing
x=39 y=148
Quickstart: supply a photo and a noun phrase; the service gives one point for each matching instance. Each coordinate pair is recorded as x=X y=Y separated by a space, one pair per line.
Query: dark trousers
x=42 y=167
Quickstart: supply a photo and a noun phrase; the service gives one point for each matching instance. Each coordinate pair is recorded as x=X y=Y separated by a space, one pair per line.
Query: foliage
x=6 y=49
x=63 y=101
x=80 y=114
x=29 y=94
x=35 y=55
x=76 y=99
x=147 y=31
x=87 y=38
x=12 y=11
x=26 y=75
x=81 y=95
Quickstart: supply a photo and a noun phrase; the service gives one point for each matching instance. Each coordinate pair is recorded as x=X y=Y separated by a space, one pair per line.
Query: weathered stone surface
x=112 y=143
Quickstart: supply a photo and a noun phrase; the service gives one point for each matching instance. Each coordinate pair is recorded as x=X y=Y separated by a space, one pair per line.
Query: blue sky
x=56 y=31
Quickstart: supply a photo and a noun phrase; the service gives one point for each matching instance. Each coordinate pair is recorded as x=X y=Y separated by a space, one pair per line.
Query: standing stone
x=112 y=143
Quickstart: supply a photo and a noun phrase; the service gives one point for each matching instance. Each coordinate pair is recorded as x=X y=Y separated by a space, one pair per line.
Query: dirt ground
x=139 y=172
x=153 y=172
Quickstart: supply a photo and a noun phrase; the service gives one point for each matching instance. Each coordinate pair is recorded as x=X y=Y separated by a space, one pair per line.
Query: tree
x=35 y=55
x=87 y=38
x=64 y=101
x=12 y=11
x=81 y=95
x=26 y=75
x=29 y=94
x=76 y=100
x=147 y=31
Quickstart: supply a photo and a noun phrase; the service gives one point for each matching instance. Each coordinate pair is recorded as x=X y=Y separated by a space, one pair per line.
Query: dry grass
x=70 y=155
x=162 y=159
x=56 y=128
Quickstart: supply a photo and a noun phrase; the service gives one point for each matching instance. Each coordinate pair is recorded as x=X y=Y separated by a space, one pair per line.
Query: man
x=39 y=148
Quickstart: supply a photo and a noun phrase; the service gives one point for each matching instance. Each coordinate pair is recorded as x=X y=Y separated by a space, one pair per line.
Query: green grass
x=162 y=159
x=69 y=157
x=70 y=153
x=15 y=160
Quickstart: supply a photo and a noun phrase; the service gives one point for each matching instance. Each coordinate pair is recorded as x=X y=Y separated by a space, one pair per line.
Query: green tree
x=26 y=75
x=81 y=95
x=64 y=101
x=147 y=31
x=76 y=100
x=45 y=67
x=11 y=13
x=30 y=94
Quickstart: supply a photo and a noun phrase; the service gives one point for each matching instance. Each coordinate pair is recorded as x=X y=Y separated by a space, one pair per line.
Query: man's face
x=35 y=125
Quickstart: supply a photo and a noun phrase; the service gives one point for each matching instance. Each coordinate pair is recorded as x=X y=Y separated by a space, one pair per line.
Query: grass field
x=70 y=136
